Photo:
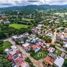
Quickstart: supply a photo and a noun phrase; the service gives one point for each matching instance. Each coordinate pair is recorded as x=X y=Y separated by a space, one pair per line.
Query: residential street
x=35 y=62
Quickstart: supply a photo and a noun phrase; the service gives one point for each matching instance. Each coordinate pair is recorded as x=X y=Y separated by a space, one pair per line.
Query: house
x=59 y=62
x=36 y=48
x=6 y=22
x=11 y=52
x=14 y=37
x=20 y=39
x=40 y=43
x=49 y=60
x=51 y=49
x=1 y=21
x=59 y=36
x=33 y=40
x=65 y=37
x=26 y=46
x=65 y=30
x=17 y=58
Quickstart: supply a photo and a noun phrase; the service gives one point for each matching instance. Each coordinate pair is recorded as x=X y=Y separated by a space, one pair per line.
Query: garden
x=39 y=55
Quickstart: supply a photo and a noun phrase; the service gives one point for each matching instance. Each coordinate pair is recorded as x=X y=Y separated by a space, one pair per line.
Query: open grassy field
x=18 y=26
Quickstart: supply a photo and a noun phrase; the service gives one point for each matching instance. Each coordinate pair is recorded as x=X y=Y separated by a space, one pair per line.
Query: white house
x=59 y=61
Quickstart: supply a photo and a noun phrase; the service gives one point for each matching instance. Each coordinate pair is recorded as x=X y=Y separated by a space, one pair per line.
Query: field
x=18 y=26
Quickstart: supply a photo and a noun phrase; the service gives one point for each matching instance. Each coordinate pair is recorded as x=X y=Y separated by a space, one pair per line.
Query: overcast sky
x=31 y=2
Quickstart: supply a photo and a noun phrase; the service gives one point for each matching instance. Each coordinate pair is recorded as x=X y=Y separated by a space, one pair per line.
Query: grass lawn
x=26 y=19
x=18 y=26
x=4 y=45
x=40 y=55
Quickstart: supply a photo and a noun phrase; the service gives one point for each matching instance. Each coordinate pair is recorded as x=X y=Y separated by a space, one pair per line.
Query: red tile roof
x=35 y=46
x=49 y=60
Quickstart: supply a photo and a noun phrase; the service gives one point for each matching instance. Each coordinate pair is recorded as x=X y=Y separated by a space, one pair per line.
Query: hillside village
x=34 y=40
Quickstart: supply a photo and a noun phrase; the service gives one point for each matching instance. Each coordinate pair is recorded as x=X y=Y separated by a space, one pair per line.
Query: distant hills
x=39 y=7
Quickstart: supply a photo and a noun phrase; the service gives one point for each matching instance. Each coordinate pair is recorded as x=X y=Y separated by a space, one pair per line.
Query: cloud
x=59 y=2
x=32 y=2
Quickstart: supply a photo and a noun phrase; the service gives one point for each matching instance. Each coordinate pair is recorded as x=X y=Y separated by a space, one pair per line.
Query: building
x=6 y=22
x=36 y=48
x=26 y=46
x=51 y=49
x=16 y=57
x=59 y=62
x=49 y=60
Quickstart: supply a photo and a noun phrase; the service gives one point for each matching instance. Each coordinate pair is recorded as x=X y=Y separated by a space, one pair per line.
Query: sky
x=6 y=3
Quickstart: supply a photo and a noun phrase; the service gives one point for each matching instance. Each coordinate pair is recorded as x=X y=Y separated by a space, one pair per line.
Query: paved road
x=54 y=37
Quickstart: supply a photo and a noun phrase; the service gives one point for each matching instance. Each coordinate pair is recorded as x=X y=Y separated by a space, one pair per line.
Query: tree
x=65 y=63
x=4 y=62
x=47 y=39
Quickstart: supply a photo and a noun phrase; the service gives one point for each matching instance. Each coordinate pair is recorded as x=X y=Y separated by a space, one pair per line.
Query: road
x=54 y=37
x=53 y=41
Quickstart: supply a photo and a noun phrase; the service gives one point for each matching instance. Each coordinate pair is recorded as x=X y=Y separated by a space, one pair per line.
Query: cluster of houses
x=52 y=59
x=62 y=36
x=4 y=20
x=29 y=42
x=16 y=57
x=41 y=30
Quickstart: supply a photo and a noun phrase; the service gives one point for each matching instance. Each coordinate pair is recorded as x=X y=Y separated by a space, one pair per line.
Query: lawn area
x=18 y=26
x=26 y=19
x=40 y=55
x=4 y=45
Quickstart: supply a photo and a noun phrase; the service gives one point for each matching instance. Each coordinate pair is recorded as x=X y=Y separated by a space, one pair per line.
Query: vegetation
x=4 y=45
x=58 y=52
x=65 y=63
x=39 y=55
x=18 y=26
x=29 y=61
x=46 y=38
x=13 y=29
x=4 y=62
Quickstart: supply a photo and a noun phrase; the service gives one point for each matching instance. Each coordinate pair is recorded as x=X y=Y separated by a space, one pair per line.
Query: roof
x=13 y=47
x=59 y=61
x=49 y=60
x=65 y=44
x=19 y=60
x=24 y=64
x=65 y=35
x=13 y=51
x=26 y=45
x=6 y=50
x=35 y=46
x=14 y=36
x=51 y=49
